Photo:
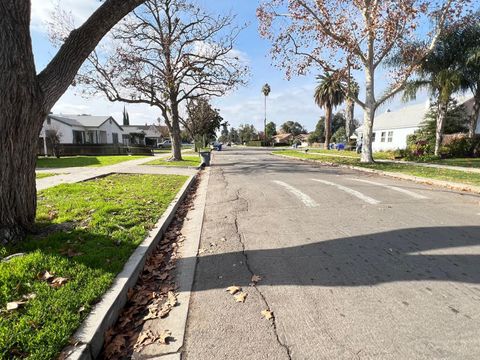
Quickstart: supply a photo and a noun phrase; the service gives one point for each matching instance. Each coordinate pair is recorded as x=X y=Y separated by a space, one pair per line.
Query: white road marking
x=307 y=200
x=355 y=193
x=395 y=188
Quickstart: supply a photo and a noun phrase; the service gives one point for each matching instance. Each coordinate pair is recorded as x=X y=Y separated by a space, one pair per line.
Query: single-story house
x=391 y=128
x=303 y=138
x=283 y=138
x=149 y=135
x=83 y=129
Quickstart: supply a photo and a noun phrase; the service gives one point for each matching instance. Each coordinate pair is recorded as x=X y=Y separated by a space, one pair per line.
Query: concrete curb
x=420 y=180
x=90 y=335
x=176 y=322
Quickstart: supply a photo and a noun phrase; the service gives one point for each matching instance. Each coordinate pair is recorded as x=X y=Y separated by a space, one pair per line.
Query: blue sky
x=289 y=100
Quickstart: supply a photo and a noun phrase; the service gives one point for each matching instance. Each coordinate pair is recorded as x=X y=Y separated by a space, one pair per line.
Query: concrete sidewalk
x=74 y=175
x=436 y=166
x=430 y=165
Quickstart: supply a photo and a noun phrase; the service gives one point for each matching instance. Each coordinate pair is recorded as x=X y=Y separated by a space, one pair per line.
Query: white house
x=150 y=135
x=84 y=129
x=391 y=128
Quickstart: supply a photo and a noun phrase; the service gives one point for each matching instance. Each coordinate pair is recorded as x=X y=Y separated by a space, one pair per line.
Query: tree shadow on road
x=415 y=254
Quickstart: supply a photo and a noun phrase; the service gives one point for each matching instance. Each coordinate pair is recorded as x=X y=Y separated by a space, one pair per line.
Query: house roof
x=283 y=136
x=82 y=120
x=302 y=137
x=408 y=117
x=137 y=127
x=151 y=130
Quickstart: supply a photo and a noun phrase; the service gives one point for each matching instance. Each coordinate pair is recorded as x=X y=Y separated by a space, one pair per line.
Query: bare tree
x=54 y=137
x=166 y=53
x=334 y=35
x=27 y=98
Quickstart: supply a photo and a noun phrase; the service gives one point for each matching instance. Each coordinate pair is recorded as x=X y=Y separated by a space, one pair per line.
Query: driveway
x=353 y=265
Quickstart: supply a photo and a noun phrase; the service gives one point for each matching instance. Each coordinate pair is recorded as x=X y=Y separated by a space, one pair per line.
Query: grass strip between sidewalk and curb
x=44 y=175
x=189 y=160
x=84 y=161
x=87 y=232
x=455 y=176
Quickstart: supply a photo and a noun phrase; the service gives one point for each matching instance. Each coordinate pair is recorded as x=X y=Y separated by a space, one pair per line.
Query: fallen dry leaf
x=240 y=297
x=145 y=338
x=29 y=296
x=256 y=278
x=14 y=305
x=267 y=314
x=58 y=282
x=115 y=347
x=172 y=298
x=44 y=275
x=164 y=337
x=233 y=289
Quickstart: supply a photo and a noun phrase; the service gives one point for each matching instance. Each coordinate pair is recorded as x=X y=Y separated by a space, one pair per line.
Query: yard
x=466 y=162
x=44 y=175
x=420 y=171
x=87 y=231
x=80 y=161
x=190 y=160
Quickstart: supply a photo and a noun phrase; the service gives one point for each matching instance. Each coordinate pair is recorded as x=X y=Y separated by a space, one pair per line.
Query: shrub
x=462 y=147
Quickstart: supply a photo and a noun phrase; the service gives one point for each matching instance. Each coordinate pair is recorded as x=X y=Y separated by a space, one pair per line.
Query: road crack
x=247 y=265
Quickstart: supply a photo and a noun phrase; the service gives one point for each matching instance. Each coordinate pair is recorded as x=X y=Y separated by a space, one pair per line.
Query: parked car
x=165 y=144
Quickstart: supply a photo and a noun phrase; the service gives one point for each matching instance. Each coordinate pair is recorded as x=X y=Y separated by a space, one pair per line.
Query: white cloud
x=42 y=10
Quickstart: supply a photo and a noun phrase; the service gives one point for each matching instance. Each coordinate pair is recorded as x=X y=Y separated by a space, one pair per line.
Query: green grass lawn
x=465 y=162
x=189 y=160
x=378 y=155
x=420 y=171
x=108 y=218
x=44 y=175
x=78 y=161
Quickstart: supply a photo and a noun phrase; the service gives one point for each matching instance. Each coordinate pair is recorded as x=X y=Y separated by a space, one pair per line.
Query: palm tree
x=470 y=68
x=350 y=107
x=329 y=94
x=266 y=91
x=441 y=76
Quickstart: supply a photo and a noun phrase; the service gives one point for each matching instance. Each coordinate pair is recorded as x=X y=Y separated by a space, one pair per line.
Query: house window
x=390 y=136
x=384 y=135
x=90 y=137
x=102 y=137
x=115 y=138
x=373 y=137
x=78 y=137
x=125 y=139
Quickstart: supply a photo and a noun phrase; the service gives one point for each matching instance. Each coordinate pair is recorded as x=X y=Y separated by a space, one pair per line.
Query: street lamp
x=266 y=91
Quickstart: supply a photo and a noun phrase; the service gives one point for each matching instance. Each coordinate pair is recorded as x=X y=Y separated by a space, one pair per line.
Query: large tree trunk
x=368 y=117
x=27 y=98
x=349 y=113
x=176 y=132
x=21 y=118
x=328 y=126
x=473 y=121
x=441 y=116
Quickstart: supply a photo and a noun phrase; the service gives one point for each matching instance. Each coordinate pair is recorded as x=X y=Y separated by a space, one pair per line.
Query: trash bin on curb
x=205 y=156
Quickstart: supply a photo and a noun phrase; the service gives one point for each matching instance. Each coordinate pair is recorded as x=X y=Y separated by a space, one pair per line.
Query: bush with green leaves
x=422 y=142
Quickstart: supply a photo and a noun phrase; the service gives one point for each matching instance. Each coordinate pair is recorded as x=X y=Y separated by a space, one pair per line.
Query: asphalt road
x=353 y=265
